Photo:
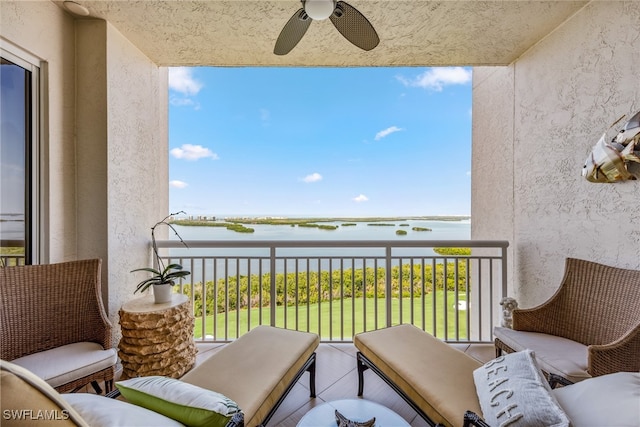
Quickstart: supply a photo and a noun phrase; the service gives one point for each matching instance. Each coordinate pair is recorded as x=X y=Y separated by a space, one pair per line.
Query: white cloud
x=193 y=152
x=183 y=102
x=437 y=77
x=314 y=177
x=386 y=132
x=181 y=80
x=178 y=184
x=360 y=198
x=264 y=114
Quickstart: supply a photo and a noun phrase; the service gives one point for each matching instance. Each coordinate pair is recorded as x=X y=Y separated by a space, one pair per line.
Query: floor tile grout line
x=334 y=383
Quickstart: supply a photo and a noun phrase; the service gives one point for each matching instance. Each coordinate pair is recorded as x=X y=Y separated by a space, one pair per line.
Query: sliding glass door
x=18 y=160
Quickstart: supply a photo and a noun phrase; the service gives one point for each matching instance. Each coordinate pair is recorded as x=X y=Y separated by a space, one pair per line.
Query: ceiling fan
x=352 y=24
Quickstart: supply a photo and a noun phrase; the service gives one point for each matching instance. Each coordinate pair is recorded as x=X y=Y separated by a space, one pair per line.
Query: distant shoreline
x=304 y=220
x=239 y=224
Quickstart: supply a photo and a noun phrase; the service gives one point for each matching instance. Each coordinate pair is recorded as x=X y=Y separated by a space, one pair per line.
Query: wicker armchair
x=597 y=307
x=54 y=323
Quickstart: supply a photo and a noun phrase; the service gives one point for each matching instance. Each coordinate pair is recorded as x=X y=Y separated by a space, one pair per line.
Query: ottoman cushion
x=256 y=369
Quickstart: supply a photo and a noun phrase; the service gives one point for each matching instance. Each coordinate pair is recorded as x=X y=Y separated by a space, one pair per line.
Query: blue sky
x=320 y=141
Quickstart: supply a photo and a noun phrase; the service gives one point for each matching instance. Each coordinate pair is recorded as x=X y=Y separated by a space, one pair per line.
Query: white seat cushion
x=70 y=362
x=607 y=400
x=27 y=394
x=554 y=354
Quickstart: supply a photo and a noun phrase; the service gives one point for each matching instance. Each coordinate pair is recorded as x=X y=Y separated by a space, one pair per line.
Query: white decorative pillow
x=608 y=400
x=187 y=403
x=100 y=411
x=513 y=392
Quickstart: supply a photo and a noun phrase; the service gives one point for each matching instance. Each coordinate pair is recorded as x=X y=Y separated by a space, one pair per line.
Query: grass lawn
x=348 y=317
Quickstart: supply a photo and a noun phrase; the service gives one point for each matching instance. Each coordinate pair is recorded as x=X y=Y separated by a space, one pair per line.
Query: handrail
x=9 y=259
x=334 y=243
x=11 y=243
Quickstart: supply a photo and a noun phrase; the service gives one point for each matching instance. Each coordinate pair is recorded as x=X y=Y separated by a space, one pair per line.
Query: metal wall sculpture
x=610 y=161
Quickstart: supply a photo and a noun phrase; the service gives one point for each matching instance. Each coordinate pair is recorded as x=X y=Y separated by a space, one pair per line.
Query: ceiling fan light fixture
x=319 y=9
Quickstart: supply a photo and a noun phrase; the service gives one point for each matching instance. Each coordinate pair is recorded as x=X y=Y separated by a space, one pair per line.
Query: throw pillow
x=189 y=404
x=28 y=400
x=607 y=400
x=512 y=391
x=100 y=411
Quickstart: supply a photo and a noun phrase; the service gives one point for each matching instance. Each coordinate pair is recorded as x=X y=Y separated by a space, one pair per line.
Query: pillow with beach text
x=512 y=391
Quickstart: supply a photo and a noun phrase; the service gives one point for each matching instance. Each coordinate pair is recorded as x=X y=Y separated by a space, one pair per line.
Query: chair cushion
x=187 y=403
x=513 y=391
x=256 y=387
x=27 y=398
x=62 y=365
x=554 y=354
x=608 y=400
x=100 y=411
x=443 y=389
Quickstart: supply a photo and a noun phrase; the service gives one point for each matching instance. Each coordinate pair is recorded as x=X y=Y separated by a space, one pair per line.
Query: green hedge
x=352 y=283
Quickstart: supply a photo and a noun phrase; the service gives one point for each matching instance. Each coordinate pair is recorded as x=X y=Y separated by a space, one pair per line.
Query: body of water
x=11 y=226
x=441 y=230
x=350 y=257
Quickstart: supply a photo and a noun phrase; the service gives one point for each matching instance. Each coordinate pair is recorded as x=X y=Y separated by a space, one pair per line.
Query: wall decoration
x=610 y=161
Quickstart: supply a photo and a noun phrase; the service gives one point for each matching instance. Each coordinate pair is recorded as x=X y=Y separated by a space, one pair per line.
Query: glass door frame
x=36 y=170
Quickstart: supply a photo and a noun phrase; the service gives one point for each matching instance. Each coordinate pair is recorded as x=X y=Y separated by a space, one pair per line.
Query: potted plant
x=163 y=277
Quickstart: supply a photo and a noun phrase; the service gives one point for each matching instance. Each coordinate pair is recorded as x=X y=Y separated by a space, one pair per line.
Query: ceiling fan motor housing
x=319 y=9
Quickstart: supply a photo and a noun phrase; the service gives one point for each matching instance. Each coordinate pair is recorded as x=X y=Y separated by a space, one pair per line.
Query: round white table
x=355 y=410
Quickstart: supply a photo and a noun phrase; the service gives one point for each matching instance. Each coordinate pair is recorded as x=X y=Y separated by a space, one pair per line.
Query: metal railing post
x=273 y=291
x=388 y=287
x=504 y=272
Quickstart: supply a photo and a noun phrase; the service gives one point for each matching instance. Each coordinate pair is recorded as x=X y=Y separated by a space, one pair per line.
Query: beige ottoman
x=434 y=378
x=258 y=370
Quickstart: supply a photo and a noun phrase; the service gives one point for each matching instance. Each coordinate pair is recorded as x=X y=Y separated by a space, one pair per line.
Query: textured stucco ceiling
x=416 y=32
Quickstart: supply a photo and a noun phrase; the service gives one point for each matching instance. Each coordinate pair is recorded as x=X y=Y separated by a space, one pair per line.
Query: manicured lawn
x=348 y=316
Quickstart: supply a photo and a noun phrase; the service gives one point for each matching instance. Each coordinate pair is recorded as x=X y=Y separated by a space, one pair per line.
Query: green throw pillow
x=191 y=405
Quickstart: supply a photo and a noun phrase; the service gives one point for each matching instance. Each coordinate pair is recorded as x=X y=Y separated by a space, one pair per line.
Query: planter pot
x=162 y=293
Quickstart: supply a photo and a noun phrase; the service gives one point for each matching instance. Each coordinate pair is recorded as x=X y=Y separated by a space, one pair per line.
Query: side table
x=157 y=339
x=354 y=409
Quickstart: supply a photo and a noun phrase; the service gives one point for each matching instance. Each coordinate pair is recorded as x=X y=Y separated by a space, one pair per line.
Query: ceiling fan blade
x=292 y=32
x=354 y=26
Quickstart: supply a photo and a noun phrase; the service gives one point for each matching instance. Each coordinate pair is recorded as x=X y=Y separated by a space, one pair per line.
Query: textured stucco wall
x=45 y=31
x=138 y=162
x=565 y=92
x=106 y=137
x=492 y=178
x=91 y=143
x=122 y=154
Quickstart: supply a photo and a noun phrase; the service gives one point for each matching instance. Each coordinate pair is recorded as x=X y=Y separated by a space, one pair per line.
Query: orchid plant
x=162 y=275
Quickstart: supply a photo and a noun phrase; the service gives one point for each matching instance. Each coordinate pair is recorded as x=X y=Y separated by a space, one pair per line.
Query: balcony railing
x=339 y=288
x=11 y=252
